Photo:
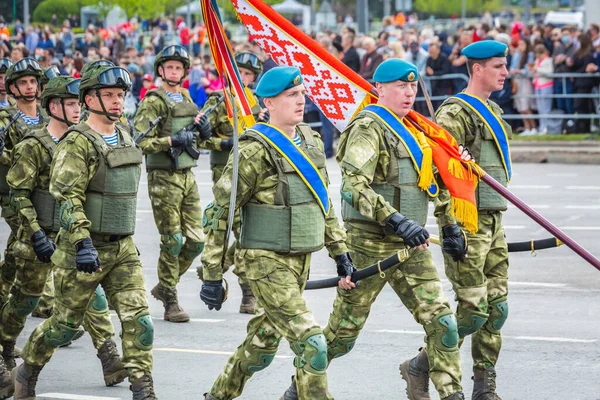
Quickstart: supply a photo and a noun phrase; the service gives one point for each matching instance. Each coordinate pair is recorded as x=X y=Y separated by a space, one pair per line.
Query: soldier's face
x=27 y=85
x=112 y=98
x=288 y=106
x=398 y=96
x=72 y=110
x=172 y=70
x=247 y=76
x=494 y=73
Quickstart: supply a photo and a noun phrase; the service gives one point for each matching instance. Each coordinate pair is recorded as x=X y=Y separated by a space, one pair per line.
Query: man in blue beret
x=481 y=280
x=384 y=206
x=286 y=214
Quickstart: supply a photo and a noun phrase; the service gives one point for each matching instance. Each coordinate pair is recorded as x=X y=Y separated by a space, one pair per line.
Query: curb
x=560 y=152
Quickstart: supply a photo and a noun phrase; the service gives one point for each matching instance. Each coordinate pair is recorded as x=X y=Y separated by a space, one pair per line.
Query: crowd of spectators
x=536 y=52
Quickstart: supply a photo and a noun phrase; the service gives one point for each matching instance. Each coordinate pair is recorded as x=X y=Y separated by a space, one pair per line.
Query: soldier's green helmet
x=172 y=53
x=20 y=69
x=103 y=77
x=62 y=87
x=249 y=61
x=96 y=64
x=49 y=73
x=5 y=64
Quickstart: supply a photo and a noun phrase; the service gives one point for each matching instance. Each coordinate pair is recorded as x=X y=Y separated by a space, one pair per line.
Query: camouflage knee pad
x=337 y=346
x=258 y=360
x=192 y=249
x=469 y=321
x=98 y=303
x=59 y=334
x=172 y=243
x=139 y=330
x=498 y=310
x=311 y=352
x=442 y=331
x=23 y=304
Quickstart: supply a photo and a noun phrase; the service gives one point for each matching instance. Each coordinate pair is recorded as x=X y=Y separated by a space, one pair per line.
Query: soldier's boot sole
x=177 y=317
x=404 y=367
x=116 y=377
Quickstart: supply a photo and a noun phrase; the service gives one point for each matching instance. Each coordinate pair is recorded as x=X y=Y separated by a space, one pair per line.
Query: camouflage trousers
x=8 y=266
x=76 y=293
x=480 y=285
x=232 y=256
x=278 y=282
x=178 y=216
x=415 y=280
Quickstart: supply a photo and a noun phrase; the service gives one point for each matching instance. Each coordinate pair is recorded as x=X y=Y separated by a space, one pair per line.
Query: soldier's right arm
x=70 y=173
x=359 y=157
x=454 y=119
x=253 y=170
x=23 y=178
x=151 y=108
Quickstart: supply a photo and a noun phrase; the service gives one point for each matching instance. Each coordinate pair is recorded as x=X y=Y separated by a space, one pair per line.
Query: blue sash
x=298 y=160
x=397 y=127
x=494 y=125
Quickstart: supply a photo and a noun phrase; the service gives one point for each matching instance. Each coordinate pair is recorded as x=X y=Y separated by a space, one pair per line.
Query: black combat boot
x=112 y=367
x=455 y=396
x=143 y=388
x=168 y=296
x=24 y=378
x=292 y=392
x=248 y=300
x=416 y=374
x=6 y=385
x=484 y=385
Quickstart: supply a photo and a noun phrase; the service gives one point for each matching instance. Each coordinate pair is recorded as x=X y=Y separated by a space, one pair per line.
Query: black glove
x=454 y=242
x=212 y=294
x=226 y=144
x=183 y=139
x=412 y=233
x=203 y=127
x=42 y=246
x=86 y=258
x=344 y=265
x=265 y=118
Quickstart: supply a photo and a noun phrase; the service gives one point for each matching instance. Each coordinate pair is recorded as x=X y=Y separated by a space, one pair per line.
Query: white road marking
x=509 y=227
x=529 y=284
x=580 y=228
x=67 y=396
x=144 y=211
x=582 y=207
x=207 y=320
x=530 y=338
x=536 y=187
x=198 y=351
x=582 y=187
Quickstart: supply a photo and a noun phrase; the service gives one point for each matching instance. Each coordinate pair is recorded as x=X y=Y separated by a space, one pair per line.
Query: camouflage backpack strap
x=186 y=94
x=84 y=129
x=44 y=138
x=307 y=133
x=162 y=94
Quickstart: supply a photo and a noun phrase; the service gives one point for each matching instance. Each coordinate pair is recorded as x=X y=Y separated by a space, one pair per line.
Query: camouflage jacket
x=17 y=130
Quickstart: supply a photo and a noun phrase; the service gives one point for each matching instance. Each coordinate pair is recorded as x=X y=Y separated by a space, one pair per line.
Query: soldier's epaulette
x=365 y=122
x=250 y=148
x=450 y=109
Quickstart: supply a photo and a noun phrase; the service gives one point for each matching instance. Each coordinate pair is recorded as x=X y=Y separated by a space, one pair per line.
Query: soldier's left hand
x=345 y=269
x=465 y=154
x=454 y=242
x=42 y=246
x=213 y=294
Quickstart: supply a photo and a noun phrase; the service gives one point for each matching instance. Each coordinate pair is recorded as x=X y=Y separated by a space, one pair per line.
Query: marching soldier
x=171 y=154
x=481 y=280
x=220 y=144
x=22 y=81
x=28 y=178
x=5 y=100
x=385 y=198
x=286 y=215
x=94 y=178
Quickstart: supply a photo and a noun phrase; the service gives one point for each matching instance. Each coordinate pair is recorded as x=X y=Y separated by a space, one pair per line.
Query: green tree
x=102 y=6
x=445 y=8
x=62 y=8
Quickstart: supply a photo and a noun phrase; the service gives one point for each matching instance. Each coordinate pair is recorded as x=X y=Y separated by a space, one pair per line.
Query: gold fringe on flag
x=426 y=174
x=466 y=213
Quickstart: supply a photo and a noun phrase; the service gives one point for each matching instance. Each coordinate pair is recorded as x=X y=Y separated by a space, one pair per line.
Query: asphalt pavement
x=551 y=339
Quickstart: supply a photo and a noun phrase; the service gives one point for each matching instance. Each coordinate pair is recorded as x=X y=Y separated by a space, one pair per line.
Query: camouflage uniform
x=223 y=129
x=14 y=135
x=277 y=277
x=29 y=178
x=378 y=180
x=481 y=280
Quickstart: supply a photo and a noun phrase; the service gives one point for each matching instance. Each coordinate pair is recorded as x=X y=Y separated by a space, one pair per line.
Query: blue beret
x=485 y=49
x=278 y=79
x=394 y=69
